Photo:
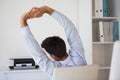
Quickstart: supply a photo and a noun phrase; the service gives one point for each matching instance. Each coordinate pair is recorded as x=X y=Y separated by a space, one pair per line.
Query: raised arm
x=32 y=45
x=70 y=30
x=72 y=36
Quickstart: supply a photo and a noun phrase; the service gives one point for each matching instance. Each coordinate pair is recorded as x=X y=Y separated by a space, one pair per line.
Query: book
x=96 y=8
x=115 y=31
x=105 y=8
x=101 y=35
x=111 y=30
x=100 y=8
x=106 y=31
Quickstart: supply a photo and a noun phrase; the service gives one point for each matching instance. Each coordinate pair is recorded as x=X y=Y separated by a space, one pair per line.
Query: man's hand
x=38 y=12
x=24 y=18
x=35 y=12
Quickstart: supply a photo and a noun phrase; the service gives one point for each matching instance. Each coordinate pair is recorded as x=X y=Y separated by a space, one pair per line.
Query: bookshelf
x=102 y=48
x=104 y=18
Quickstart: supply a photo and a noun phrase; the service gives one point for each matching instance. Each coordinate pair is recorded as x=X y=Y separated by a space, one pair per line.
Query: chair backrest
x=89 y=72
x=115 y=63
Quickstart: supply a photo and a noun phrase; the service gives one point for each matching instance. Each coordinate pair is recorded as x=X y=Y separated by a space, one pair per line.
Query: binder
x=116 y=31
x=101 y=34
x=100 y=7
x=104 y=8
x=111 y=30
x=106 y=31
x=96 y=8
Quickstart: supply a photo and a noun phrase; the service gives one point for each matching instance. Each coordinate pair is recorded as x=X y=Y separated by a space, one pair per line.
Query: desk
x=33 y=74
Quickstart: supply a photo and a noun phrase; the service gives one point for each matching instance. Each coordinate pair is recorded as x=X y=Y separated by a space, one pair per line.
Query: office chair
x=115 y=63
x=89 y=72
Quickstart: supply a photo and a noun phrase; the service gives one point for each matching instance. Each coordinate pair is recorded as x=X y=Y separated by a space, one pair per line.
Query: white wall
x=85 y=27
x=11 y=44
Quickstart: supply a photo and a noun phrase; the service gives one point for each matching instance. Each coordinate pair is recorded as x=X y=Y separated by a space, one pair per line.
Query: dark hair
x=55 y=45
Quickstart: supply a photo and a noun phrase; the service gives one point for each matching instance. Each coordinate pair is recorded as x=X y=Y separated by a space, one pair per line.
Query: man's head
x=56 y=47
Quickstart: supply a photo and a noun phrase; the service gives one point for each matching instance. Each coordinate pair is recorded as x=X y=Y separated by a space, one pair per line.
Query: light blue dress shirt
x=76 y=52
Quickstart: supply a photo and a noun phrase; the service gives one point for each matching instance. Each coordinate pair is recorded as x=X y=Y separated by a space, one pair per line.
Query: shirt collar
x=66 y=61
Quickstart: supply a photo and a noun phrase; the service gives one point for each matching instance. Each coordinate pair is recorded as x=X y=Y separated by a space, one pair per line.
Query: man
x=55 y=46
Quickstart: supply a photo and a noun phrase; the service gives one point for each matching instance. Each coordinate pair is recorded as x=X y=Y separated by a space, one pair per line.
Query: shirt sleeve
x=72 y=35
x=36 y=52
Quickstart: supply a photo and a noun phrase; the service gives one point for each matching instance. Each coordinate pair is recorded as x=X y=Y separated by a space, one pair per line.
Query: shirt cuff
x=25 y=29
x=54 y=14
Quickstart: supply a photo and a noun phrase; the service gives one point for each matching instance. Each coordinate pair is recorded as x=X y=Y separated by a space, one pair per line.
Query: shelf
x=103 y=42
x=104 y=18
x=102 y=52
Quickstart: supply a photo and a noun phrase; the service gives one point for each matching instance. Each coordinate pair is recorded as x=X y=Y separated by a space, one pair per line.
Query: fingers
x=32 y=12
x=39 y=13
x=36 y=12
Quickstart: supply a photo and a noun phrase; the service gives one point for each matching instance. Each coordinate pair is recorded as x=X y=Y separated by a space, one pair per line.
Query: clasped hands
x=35 y=12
